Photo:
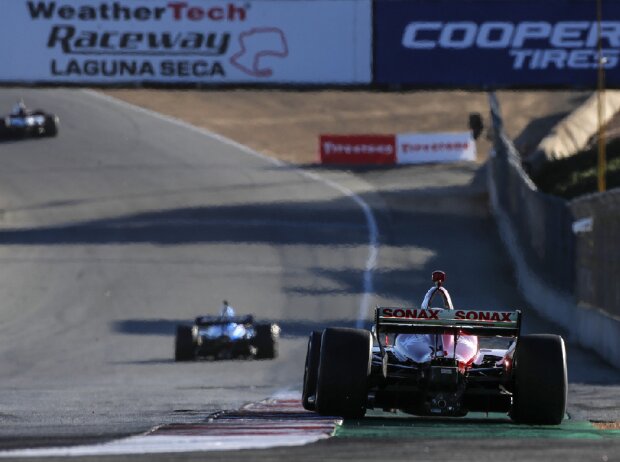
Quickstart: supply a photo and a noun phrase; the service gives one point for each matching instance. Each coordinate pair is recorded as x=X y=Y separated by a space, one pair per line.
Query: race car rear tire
x=184 y=344
x=266 y=341
x=540 y=380
x=311 y=371
x=4 y=132
x=344 y=367
x=50 y=127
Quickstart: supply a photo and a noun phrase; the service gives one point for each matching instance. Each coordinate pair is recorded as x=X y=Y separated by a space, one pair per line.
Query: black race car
x=437 y=361
x=22 y=122
x=225 y=337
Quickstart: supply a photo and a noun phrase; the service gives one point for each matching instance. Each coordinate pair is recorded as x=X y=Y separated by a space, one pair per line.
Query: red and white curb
x=274 y=422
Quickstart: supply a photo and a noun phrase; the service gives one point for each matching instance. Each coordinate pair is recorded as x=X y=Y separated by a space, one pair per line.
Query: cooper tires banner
x=491 y=44
x=193 y=41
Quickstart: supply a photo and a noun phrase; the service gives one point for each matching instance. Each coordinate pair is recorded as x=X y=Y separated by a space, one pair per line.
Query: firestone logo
x=330 y=147
x=407 y=148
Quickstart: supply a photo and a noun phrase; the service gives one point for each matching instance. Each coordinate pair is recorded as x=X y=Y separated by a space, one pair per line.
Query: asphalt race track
x=127 y=224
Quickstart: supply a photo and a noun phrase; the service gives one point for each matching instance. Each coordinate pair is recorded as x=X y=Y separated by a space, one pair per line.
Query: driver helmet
x=227 y=310
x=19 y=108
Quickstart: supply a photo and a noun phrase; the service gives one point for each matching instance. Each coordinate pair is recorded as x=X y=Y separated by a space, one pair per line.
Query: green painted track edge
x=479 y=426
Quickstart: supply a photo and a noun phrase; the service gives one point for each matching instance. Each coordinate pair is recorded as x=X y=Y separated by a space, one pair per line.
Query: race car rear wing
x=436 y=321
x=206 y=321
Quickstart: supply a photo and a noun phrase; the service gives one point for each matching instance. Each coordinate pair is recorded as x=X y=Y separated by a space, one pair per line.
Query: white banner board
x=186 y=41
x=413 y=148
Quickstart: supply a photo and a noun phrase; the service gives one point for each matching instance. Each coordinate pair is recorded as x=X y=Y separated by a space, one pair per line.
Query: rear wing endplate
x=436 y=321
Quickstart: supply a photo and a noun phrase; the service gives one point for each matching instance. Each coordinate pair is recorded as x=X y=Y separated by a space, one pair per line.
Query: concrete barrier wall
x=597 y=251
x=521 y=212
x=542 y=222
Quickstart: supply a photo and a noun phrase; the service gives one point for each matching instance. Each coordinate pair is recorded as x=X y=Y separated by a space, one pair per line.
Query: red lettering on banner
x=357 y=149
x=417 y=147
x=411 y=313
x=231 y=12
x=484 y=316
x=216 y=14
x=471 y=315
x=195 y=14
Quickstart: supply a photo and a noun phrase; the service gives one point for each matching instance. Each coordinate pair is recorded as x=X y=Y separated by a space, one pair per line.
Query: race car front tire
x=540 y=380
x=184 y=344
x=4 y=132
x=50 y=127
x=344 y=368
x=266 y=341
x=311 y=371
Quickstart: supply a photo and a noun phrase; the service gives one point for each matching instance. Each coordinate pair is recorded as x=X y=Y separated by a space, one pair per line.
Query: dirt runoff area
x=286 y=124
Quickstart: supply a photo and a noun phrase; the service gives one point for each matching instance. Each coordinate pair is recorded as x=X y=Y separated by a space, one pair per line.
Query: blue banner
x=495 y=44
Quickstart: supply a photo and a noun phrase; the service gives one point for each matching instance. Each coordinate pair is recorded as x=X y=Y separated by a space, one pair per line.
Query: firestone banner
x=494 y=44
x=417 y=148
x=192 y=41
x=401 y=148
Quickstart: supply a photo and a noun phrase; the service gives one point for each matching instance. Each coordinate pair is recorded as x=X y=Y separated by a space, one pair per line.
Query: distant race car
x=226 y=337
x=429 y=362
x=22 y=122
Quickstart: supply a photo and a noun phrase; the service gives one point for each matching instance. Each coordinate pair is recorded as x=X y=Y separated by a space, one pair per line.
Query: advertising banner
x=357 y=149
x=494 y=44
x=189 y=41
x=414 y=148
x=404 y=148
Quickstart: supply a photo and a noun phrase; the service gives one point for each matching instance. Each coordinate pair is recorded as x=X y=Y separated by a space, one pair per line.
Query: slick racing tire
x=311 y=371
x=50 y=127
x=344 y=367
x=540 y=380
x=183 y=344
x=266 y=341
x=4 y=132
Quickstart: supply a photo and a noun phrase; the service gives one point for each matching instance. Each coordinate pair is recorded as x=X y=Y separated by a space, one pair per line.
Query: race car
x=22 y=122
x=437 y=361
x=226 y=337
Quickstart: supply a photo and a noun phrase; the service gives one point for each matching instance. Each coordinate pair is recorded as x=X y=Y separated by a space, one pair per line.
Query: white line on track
x=371 y=222
x=279 y=421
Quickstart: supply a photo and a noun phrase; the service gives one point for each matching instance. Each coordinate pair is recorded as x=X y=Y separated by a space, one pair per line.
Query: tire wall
x=563 y=275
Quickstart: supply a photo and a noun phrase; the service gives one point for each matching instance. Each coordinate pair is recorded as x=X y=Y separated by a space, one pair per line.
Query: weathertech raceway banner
x=491 y=44
x=406 y=148
x=192 y=41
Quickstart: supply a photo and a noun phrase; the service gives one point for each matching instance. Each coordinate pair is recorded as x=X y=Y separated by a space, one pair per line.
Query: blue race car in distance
x=23 y=122
x=225 y=337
